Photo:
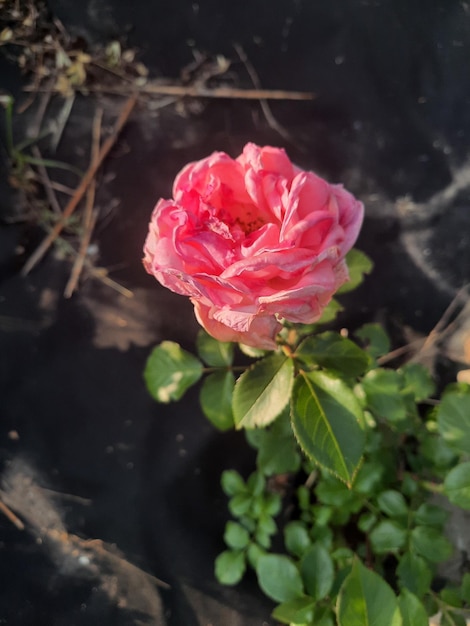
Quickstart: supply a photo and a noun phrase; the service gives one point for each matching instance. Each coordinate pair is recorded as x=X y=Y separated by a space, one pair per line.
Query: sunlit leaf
x=457 y=485
x=365 y=599
x=359 y=264
x=325 y=419
x=170 y=371
x=262 y=392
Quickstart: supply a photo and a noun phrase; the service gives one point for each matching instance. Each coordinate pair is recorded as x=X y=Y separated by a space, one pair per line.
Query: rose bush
x=252 y=241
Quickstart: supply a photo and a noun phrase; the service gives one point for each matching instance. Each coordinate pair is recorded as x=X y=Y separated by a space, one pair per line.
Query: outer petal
x=260 y=333
x=351 y=216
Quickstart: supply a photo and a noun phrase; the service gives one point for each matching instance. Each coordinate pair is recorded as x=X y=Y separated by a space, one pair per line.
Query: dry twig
x=81 y=189
x=7 y=512
x=198 y=91
x=46 y=182
x=268 y=114
x=89 y=216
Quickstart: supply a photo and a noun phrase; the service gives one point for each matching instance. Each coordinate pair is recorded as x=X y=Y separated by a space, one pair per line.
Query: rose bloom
x=252 y=241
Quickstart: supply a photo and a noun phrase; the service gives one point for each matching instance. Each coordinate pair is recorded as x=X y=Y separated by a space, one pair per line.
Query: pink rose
x=252 y=241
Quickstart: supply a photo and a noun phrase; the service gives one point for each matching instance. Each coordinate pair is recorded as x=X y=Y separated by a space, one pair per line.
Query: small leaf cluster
x=250 y=536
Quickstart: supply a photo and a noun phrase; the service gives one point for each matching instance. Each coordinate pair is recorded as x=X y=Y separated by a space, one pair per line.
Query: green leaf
x=272 y=503
x=263 y=538
x=215 y=398
x=296 y=538
x=317 y=570
x=256 y=483
x=213 y=352
x=330 y=312
x=279 y=578
x=295 y=611
x=376 y=339
x=278 y=452
x=369 y=477
x=418 y=380
x=430 y=515
x=267 y=524
x=382 y=388
x=240 y=504
x=253 y=554
x=325 y=419
x=232 y=483
x=366 y=522
x=332 y=491
x=230 y=567
x=393 y=504
x=236 y=536
x=365 y=599
x=457 y=485
x=465 y=588
x=387 y=536
x=451 y=618
x=453 y=420
x=253 y=353
x=323 y=617
x=359 y=264
x=451 y=596
x=412 y=611
x=331 y=351
x=429 y=542
x=262 y=392
x=170 y=371
x=437 y=451
x=414 y=574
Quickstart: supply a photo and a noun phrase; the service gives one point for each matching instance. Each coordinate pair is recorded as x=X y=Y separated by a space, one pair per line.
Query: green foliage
x=330 y=312
x=354 y=452
x=376 y=340
x=366 y=599
x=453 y=420
x=297 y=611
x=262 y=392
x=457 y=485
x=317 y=569
x=359 y=264
x=326 y=421
x=230 y=567
x=333 y=352
x=213 y=352
x=279 y=578
x=278 y=452
x=412 y=611
x=170 y=371
x=215 y=399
